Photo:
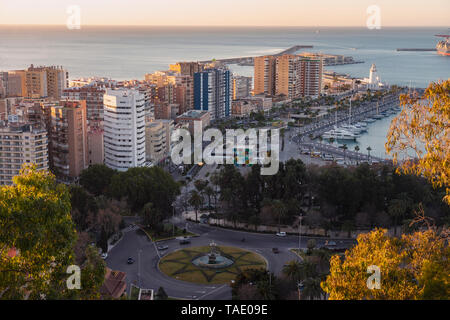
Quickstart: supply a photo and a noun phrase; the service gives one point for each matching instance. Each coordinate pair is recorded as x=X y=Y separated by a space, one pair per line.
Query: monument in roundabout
x=209 y=264
x=213 y=259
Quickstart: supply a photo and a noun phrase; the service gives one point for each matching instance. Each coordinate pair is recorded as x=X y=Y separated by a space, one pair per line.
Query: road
x=145 y=273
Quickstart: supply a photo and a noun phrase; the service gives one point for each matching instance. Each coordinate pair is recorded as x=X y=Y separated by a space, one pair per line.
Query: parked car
x=104 y=255
x=163 y=247
x=281 y=234
x=330 y=243
x=275 y=250
x=130 y=260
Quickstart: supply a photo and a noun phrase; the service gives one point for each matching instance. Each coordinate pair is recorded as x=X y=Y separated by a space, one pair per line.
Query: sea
x=123 y=53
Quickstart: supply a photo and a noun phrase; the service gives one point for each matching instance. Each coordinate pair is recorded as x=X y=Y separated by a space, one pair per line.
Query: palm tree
x=311 y=289
x=280 y=211
x=196 y=200
x=209 y=192
x=368 y=152
x=344 y=147
x=357 y=150
x=293 y=270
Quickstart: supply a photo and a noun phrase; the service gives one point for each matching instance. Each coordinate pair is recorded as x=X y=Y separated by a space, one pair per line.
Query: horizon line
x=229 y=26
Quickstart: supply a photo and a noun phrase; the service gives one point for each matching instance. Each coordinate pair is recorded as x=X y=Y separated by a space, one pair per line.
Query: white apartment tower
x=124 y=128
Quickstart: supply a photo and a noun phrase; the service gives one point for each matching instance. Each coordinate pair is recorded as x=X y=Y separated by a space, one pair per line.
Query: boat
x=443 y=46
x=369 y=120
x=351 y=128
x=361 y=126
x=340 y=134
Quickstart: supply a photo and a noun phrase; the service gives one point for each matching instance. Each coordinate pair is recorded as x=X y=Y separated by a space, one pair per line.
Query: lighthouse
x=373 y=76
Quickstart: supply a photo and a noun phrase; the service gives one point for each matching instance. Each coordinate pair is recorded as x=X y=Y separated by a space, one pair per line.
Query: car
x=275 y=250
x=330 y=243
x=184 y=240
x=163 y=247
x=130 y=260
x=104 y=255
x=305 y=151
x=281 y=234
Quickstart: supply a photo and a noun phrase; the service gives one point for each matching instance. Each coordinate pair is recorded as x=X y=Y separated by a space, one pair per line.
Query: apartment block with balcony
x=21 y=144
x=155 y=142
x=68 y=147
x=265 y=75
x=124 y=128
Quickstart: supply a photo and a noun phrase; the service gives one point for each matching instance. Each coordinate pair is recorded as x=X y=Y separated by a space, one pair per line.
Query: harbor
x=311 y=138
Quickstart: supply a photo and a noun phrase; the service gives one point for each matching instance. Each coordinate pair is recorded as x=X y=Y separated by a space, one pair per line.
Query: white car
x=281 y=234
x=104 y=256
x=330 y=243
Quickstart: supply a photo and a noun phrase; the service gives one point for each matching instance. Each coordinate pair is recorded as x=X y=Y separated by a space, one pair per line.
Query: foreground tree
x=423 y=129
x=412 y=267
x=37 y=236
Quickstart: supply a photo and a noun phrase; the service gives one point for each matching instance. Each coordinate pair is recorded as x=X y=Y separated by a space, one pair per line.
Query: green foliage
x=263 y=280
x=35 y=220
x=97 y=178
x=142 y=185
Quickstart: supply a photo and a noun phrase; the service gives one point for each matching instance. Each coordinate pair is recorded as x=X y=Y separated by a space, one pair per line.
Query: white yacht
x=361 y=125
x=340 y=134
x=351 y=128
x=369 y=120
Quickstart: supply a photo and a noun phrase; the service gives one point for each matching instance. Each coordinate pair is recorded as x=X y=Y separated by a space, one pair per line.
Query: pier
x=248 y=61
x=418 y=49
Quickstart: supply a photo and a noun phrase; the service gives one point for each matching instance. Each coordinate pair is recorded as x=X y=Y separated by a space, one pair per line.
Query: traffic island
x=209 y=264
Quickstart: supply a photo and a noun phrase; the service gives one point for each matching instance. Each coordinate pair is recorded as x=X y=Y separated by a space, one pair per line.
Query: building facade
x=124 y=129
x=68 y=144
x=21 y=144
x=213 y=92
x=264 y=75
x=155 y=142
x=242 y=87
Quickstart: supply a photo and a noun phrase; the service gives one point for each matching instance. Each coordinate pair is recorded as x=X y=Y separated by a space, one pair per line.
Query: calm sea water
x=130 y=52
x=375 y=138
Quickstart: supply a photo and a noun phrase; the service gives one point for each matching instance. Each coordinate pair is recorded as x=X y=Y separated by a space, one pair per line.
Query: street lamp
x=139 y=267
x=299 y=232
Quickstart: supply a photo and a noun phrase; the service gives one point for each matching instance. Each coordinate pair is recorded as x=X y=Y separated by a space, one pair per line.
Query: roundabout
x=209 y=264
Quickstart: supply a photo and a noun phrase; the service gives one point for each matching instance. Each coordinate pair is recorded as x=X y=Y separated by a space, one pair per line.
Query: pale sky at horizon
x=227 y=12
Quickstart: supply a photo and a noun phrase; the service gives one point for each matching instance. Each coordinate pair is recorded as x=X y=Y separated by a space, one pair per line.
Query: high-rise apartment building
x=213 y=92
x=187 y=68
x=311 y=77
x=38 y=82
x=93 y=95
x=68 y=147
x=124 y=129
x=20 y=144
x=287 y=76
x=155 y=141
x=242 y=87
x=290 y=75
x=57 y=81
x=264 y=75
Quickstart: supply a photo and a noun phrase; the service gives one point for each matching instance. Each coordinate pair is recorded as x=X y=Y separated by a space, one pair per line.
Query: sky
x=228 y=12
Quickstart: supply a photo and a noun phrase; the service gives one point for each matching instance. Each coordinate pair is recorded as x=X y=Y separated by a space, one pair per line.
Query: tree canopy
x=415 y=266
x=37 y=236
x=423 y=128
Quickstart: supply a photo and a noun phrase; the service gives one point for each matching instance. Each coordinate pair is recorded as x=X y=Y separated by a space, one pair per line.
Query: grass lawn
x=167 y=235
x=178 y=265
